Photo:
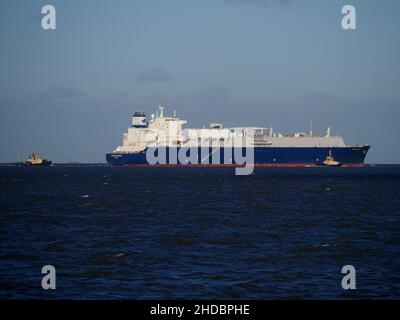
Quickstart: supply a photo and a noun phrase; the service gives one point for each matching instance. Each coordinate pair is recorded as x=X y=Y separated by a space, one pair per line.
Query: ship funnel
x=139 y=120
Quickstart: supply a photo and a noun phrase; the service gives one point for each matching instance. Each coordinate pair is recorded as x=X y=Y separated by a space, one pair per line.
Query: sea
x=199 y=233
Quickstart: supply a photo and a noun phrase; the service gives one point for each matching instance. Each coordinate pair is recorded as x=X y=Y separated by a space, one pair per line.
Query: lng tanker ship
x=162 y=140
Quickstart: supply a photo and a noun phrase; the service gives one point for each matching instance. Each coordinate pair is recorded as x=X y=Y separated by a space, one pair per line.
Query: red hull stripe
x=237 y=165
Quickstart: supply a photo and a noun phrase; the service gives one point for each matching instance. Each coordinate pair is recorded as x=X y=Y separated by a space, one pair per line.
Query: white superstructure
x=164 y=131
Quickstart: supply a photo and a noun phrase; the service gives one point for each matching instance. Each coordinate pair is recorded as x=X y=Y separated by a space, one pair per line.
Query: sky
x=70 y=93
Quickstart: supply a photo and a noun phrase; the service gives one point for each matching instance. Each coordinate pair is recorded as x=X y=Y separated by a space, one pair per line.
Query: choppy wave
x=199 y=232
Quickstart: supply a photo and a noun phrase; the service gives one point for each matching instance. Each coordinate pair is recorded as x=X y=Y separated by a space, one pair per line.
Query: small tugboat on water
x=330 y=161
x=35 y=159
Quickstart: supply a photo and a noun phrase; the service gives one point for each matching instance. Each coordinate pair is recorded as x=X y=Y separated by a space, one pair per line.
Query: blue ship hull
x=263 y=156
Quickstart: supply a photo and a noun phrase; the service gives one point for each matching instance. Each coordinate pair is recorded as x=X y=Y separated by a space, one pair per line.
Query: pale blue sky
x=71 y=91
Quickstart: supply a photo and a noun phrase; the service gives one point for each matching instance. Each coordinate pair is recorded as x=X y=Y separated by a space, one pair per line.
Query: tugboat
x=330 y=161
x=35 y=159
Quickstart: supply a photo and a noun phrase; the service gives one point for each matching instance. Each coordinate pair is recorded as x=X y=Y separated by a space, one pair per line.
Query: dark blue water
x=199 y=232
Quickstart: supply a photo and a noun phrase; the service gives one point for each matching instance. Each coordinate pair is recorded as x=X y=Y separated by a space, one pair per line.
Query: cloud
x=65 y=93
x=156 y=75
x=56 y=92
x=259 y=3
